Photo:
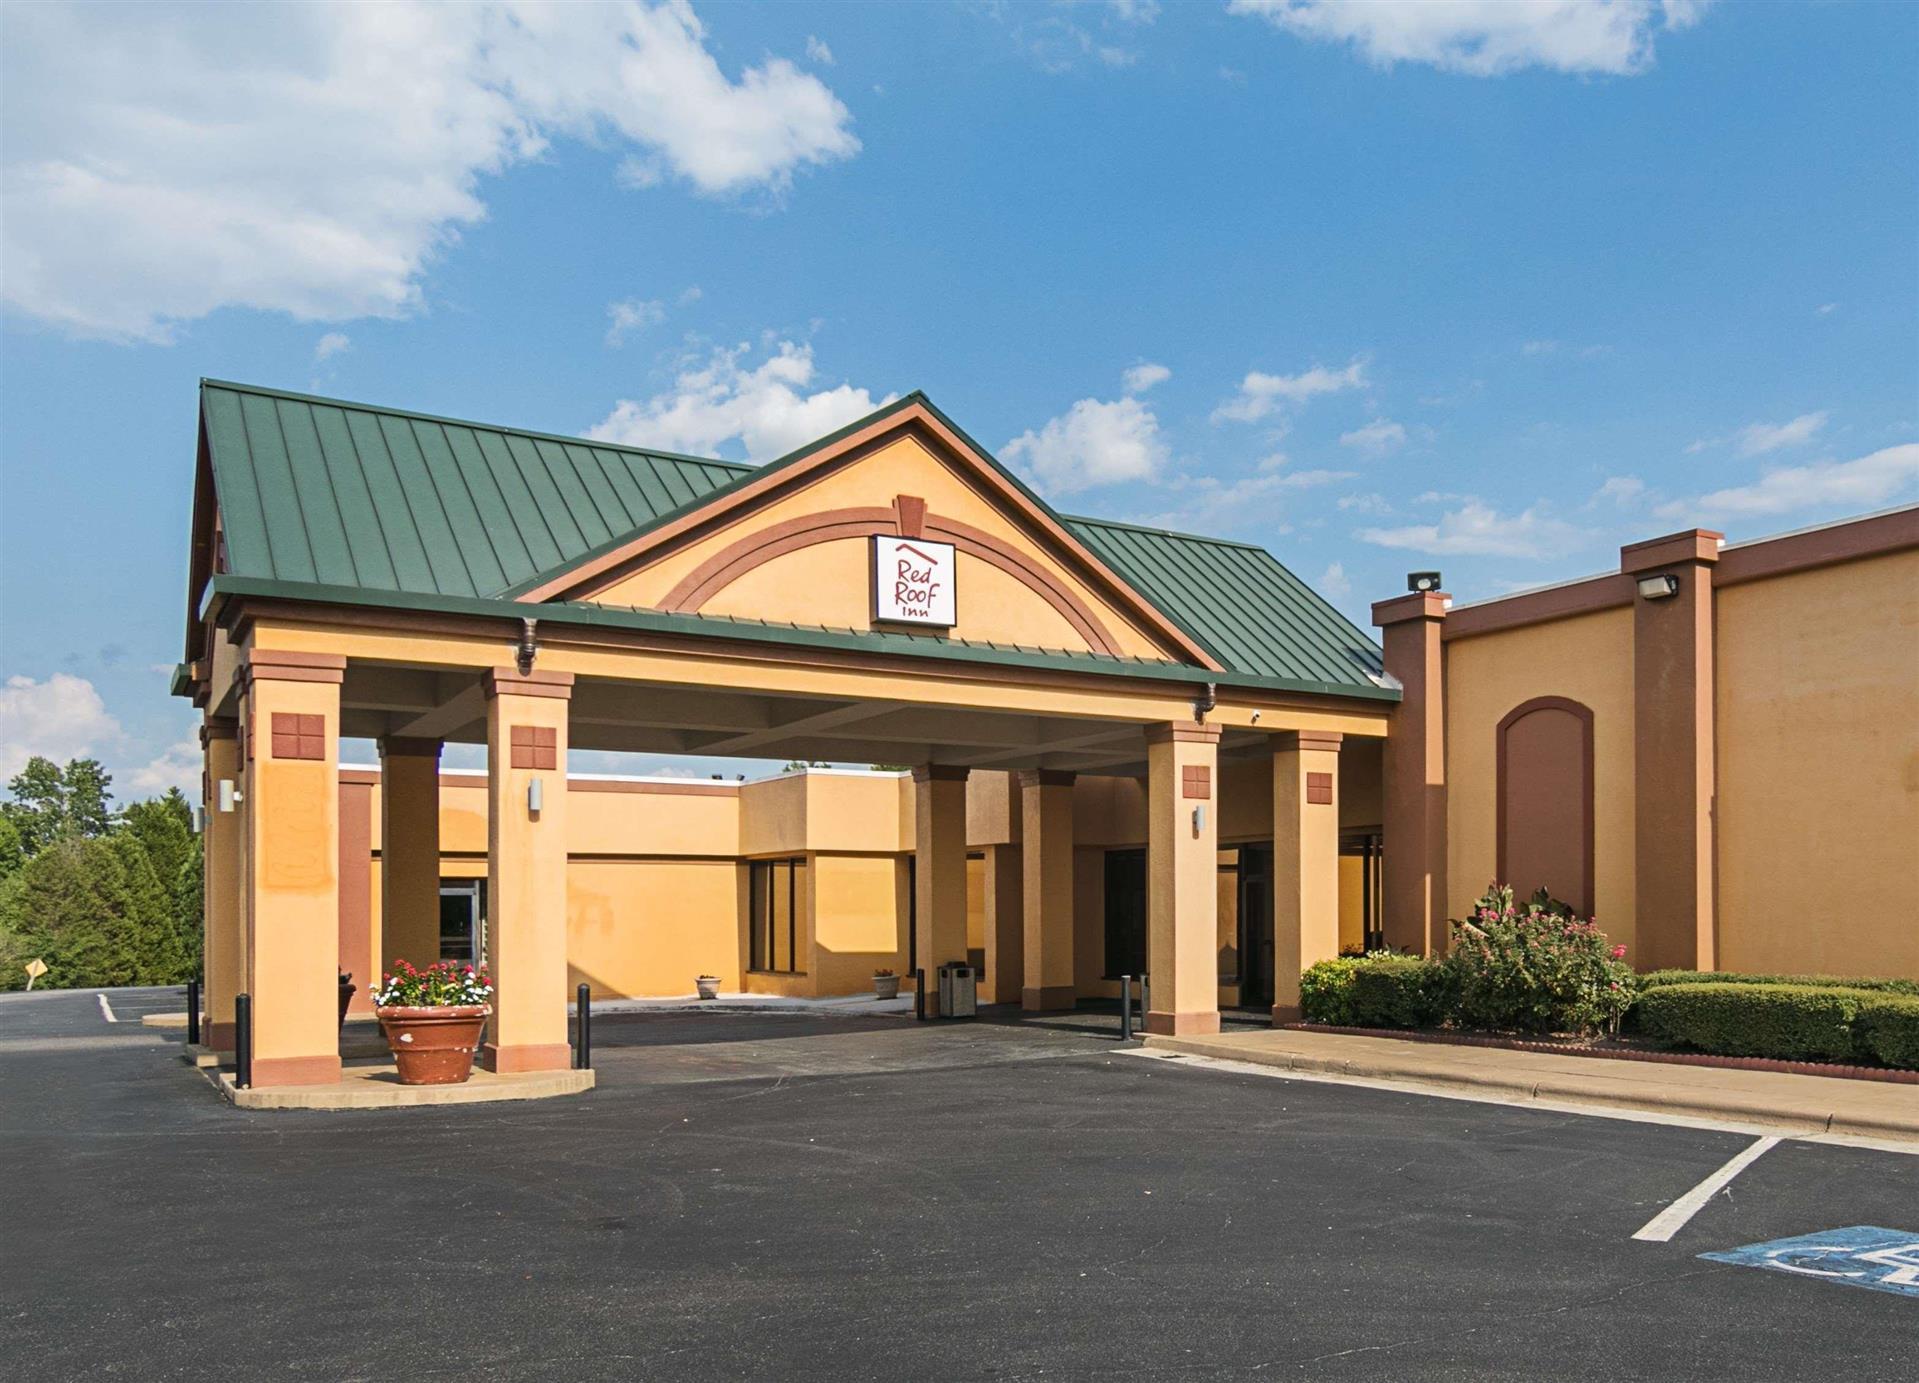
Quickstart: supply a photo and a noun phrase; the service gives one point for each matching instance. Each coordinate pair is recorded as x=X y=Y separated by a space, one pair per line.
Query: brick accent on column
x=1182 y=881
x=526 y=874
x=1413 y=786
x=1673 y=765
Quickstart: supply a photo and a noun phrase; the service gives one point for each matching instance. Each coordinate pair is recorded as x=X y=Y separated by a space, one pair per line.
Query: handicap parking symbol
x=1886 y=1260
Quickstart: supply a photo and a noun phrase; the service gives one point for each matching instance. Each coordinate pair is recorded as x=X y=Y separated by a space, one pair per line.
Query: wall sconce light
x=1422 y=582
x=227 y=794
x=1658 y=587
x=533 y=797
x=1199 y=820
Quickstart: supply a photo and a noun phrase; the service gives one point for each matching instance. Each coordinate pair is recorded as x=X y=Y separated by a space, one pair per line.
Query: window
x=1125 y=912
x=778 y=893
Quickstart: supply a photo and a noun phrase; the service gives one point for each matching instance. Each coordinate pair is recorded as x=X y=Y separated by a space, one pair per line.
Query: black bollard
x=583 y=1048
x=243 y=1041
x=1126 y=1008
x=193 y=1013
x=919 y=996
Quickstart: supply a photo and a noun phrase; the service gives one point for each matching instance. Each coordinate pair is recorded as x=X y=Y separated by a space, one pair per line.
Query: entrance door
x=462 y=926
x=1256 y=926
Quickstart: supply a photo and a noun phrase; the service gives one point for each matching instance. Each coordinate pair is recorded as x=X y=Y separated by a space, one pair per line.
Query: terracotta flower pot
x=708 y=986
x=434 y=1046
x=886 y=986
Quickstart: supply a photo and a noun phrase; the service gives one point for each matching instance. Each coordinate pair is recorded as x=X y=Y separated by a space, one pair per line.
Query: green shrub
x=1784 y=1022
x=1887 y=1029
x=1391 y=991
x=1534 y=968
x=1659 y=978
x=1326 y=991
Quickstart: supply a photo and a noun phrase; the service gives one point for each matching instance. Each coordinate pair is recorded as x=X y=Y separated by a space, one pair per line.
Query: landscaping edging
x=1520 y=1044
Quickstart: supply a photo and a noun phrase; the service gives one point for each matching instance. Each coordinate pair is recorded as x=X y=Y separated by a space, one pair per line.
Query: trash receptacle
x=959 y=991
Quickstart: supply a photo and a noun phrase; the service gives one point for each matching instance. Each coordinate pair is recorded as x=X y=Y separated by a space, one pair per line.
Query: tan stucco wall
x=1818 y=741
x=1589 y=659
x=649 y=927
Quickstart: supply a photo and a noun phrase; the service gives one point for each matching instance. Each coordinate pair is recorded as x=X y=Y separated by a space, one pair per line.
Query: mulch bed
x=1620 y=1049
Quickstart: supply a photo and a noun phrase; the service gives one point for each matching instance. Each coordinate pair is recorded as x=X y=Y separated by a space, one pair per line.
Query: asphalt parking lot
x=751 y=1196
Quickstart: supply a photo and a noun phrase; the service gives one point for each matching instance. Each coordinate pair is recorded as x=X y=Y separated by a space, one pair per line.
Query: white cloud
x=312 y=159
x=1139 y=378
x=1334 y=583
x=330 y=345
x=61 y=718
x=767 y=408
x=629 y=315
x=179 y=767
x=1620 y=489
x=817 y=51
x=1376 y=438
x=1092 y=443
x=1476 y=529
x=1485 y=38
x=1865 y=483
x=1260 y=394
x=1826 y=309
x=1759 y=438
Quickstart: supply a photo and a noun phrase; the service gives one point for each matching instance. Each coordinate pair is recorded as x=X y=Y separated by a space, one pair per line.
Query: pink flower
x=1619 y=953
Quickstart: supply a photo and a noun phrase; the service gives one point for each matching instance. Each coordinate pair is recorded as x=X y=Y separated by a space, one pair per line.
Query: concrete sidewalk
x=1816 y=1104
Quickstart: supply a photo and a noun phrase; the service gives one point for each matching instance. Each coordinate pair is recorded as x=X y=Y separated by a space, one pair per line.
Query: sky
x=1487 y=288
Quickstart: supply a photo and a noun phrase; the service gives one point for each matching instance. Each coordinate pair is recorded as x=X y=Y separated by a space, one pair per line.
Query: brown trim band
x=1876 y=536
x=693 y=789
x=940 y=773
x=1416 y=605
x=1308 y=740
x=1610 y=592
x=219 y=728
x=1046 y=778
x=506 y=681
x=1674 y=549
x=296 y=1070
x=754 y=550
x=1583 y=714
x=267 y=665
x=1177 y=732
x=1183 y=1024
x=526 y=1056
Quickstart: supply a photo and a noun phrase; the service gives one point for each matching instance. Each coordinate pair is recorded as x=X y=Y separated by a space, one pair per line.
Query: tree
x=89 y=804
x=12 y=853
x=49 y=802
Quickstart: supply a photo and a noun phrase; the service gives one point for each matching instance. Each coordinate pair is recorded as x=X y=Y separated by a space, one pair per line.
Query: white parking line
x=1668 y=1222
x=106 y=1009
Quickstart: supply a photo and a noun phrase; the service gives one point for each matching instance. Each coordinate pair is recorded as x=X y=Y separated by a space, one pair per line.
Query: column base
x=217 y=1036
x=526 y=1056
x=1183 y=1024
x=1287 y=1013
x=296 y=1070
x=1056 y=998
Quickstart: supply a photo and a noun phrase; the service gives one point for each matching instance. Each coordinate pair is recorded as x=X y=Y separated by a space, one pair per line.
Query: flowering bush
x=1536 y=968
x=440 y=985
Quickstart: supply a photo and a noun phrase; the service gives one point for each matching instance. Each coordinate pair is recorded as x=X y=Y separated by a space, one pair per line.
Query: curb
x=1893 y=1124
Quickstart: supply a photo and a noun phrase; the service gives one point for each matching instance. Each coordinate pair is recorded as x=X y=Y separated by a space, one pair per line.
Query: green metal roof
x=350 y=503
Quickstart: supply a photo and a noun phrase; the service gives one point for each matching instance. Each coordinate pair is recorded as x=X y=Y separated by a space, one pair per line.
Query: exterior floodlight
x=227 y=796
x=1422 y=582
x=1658 y=587
x=533 y=798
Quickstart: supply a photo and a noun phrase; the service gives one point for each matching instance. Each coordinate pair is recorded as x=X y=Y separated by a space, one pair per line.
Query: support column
x=1182 y=878
x=1005 y=925
x=526 y=735
x=1673 y=766
x=1305 y=861
x=223 y=943
x=291 y=808
x=1413 y=786
x=1046 y=845
x=409 y=851
x=939 y=872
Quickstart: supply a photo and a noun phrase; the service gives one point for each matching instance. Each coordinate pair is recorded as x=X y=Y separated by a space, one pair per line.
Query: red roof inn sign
x=913 y=582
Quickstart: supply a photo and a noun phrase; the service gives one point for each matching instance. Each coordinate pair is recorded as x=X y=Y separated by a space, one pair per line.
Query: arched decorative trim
x=729 y=564
x=1584 y=715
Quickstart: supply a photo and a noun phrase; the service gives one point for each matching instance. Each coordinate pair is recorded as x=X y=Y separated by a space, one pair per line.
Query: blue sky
x=1489 y=288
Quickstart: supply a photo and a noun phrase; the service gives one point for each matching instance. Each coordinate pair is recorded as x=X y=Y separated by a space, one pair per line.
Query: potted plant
x=432 y=1019
x=886 y=984
x=709 y=986
x=347 y=991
